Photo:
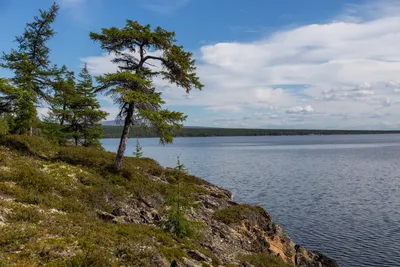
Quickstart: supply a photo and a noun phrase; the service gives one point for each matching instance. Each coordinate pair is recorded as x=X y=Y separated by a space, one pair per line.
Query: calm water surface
x=336 y=194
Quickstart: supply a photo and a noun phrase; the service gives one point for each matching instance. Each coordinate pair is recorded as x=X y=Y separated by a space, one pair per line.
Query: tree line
x=114 y=131
x=75 y=115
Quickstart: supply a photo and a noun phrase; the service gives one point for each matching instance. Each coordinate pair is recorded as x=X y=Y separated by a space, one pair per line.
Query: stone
x=105 y=216
x=198 y=256
x=118 y=211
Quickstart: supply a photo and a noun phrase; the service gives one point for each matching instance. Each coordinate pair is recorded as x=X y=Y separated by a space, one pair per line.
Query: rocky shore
x=231 y=230
x=65 y=206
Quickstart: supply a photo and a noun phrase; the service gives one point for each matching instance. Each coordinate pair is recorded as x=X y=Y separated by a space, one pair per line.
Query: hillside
x=113 y=131
x=66 y=206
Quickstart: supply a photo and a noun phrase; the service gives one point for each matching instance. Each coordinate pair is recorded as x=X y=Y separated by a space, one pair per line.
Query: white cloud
x=349 y=66
x=231 y=108
x=112 y=112
x=42 y=112
x=300 y=110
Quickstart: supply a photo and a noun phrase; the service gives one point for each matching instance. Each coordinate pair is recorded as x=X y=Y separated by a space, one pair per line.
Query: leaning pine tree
x=138 y=50
x=31 y=66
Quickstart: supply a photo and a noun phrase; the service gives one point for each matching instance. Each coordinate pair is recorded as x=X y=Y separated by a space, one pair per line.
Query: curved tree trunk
x=124 y=137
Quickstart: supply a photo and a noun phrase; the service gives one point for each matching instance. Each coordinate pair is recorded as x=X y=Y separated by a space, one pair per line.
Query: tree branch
x=153 y=57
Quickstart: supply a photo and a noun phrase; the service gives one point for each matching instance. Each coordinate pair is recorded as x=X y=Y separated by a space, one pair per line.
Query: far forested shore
x=114 y=131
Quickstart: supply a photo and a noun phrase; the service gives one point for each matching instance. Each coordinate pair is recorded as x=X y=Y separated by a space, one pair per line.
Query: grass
x=237 y=213
x=55 y=193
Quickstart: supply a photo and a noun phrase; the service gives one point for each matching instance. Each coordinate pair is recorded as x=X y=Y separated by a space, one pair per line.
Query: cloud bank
x=341 y=74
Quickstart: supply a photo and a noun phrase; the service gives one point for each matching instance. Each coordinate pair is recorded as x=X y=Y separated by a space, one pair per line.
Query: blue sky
x=268 y=64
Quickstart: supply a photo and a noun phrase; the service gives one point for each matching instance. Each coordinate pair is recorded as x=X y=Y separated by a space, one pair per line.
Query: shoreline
x=128 y=210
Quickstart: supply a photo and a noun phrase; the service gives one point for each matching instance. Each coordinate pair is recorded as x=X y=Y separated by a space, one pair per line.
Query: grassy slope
x=49 y=198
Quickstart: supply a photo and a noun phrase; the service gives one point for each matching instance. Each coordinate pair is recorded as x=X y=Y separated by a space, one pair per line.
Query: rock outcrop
x=231 y=229
x=66 y=206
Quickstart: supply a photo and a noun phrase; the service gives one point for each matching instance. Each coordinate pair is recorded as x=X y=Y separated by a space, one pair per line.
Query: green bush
x=30 y=145
x=83 y=156
x=237 y=213
x=28 y=177
x=3 y=127
x=31 y=178
x=25 y=214
x=172 y=254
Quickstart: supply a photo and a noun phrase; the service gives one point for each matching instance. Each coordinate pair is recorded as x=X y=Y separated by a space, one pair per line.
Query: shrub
x=88 y=157
x=30 y=178
x=30 y=145
x=176 y=222
x=172 y=254
x=138 y=150
x=3 y=126
x=237 y=213
x=25 y=214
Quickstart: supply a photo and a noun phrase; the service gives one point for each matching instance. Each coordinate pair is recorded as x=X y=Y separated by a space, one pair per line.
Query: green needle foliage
x=16 y=108
x=144 y=54
x=3 y=126
x=138 y=152
x=176 y=222
x=32 y=72
x=74 y=111
x=86 y=114
x=64 y=91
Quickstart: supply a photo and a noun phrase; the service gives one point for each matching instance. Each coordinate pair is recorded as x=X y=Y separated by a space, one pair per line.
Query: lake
x=336 y=194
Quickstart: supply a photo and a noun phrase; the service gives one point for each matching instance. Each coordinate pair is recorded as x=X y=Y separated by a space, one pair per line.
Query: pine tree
x=31 y=66
x=131 y=87
x=180 y=201
x=138 y=150
x=86 y=112
x=75 y=109
x=64 y=90
x=16 y=108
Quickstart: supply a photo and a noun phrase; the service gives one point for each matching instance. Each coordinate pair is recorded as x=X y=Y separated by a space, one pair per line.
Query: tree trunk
x=30 y=131
x=124 y=137
x=63 y=116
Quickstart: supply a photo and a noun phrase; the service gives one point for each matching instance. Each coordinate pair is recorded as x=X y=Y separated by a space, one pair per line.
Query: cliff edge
x=66 y=206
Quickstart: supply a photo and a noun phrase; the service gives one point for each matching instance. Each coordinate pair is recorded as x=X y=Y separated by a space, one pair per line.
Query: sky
x=331 y=64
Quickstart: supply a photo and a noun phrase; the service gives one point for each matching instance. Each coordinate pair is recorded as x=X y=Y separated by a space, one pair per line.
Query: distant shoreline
x=115 y=132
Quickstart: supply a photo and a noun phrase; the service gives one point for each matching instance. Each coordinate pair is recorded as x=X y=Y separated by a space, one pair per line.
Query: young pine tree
x=137 y=48
x=176 y=221
x=138 y=150
x=31 y=66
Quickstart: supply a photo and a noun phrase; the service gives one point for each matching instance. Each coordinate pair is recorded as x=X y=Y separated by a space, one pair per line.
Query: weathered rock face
x=231 y=230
